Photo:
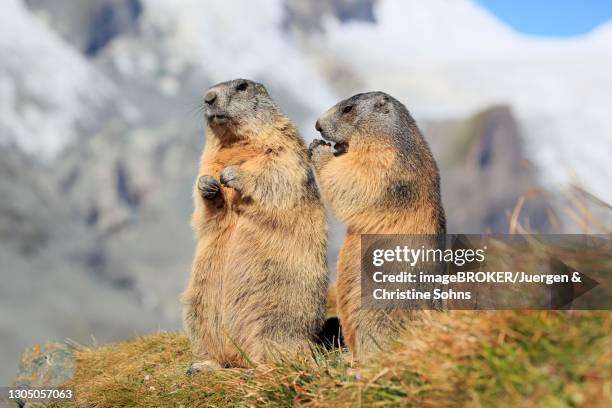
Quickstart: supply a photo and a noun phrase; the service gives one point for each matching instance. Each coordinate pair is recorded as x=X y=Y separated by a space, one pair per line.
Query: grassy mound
x=466 y=358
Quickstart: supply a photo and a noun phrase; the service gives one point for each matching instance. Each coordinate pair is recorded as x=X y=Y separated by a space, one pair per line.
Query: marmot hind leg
x=197 y=331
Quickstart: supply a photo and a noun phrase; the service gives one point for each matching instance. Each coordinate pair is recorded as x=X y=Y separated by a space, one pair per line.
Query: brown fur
x=259 y=275
x=386 y=182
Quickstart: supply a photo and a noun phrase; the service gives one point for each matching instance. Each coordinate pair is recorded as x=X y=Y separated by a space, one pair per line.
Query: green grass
x=486 y=359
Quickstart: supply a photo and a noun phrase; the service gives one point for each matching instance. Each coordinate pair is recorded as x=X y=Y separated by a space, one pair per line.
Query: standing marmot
x=259 y=275
x=379 y=178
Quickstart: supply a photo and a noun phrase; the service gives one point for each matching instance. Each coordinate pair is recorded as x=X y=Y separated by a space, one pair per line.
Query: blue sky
x=558 y=18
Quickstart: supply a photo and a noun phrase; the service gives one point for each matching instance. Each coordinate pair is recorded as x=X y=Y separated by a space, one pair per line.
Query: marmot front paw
x=209 y=187
x=319 y=150
x=230 y=177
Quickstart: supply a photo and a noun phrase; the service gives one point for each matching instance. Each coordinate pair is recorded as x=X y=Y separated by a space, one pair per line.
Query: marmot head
x=238 y=105
x=365 y=115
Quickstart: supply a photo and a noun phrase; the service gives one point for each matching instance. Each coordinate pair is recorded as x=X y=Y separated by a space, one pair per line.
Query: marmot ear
x=382 y=104
x=261 y=88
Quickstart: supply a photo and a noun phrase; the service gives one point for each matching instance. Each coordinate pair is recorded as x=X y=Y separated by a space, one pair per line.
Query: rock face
x=484 y=172
x=45 y=365
x=53 y=283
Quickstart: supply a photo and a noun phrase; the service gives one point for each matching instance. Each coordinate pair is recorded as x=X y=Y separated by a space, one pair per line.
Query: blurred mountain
x=89 y=25
x=307 y=16
x=53 y=283
x=100 y=133
x=484 y=171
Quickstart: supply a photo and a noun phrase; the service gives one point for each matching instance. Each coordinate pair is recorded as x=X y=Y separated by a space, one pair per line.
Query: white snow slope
x=47 y=88
x=226 y=40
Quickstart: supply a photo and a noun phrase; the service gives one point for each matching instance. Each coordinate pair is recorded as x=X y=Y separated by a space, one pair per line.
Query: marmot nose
x=210 y=97
x=318 y=126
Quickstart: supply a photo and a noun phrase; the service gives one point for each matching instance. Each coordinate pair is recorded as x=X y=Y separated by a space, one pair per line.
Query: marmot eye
x=347 y=109
x=242 y=86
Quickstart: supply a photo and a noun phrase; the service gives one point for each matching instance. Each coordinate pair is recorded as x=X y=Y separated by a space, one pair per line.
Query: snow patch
x=233 y=39
x=45 y=85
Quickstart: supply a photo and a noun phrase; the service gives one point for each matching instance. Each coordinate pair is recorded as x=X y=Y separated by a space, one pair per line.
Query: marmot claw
x=314 y=144
x=230 y=177
x=209 y=187
x=319 y=152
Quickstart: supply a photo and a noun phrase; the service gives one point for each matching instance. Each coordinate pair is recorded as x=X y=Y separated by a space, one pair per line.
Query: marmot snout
x=238 y=103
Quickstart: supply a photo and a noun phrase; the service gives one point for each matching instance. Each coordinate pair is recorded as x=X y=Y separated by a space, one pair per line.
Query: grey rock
x=45 y=365
x=484 y=171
